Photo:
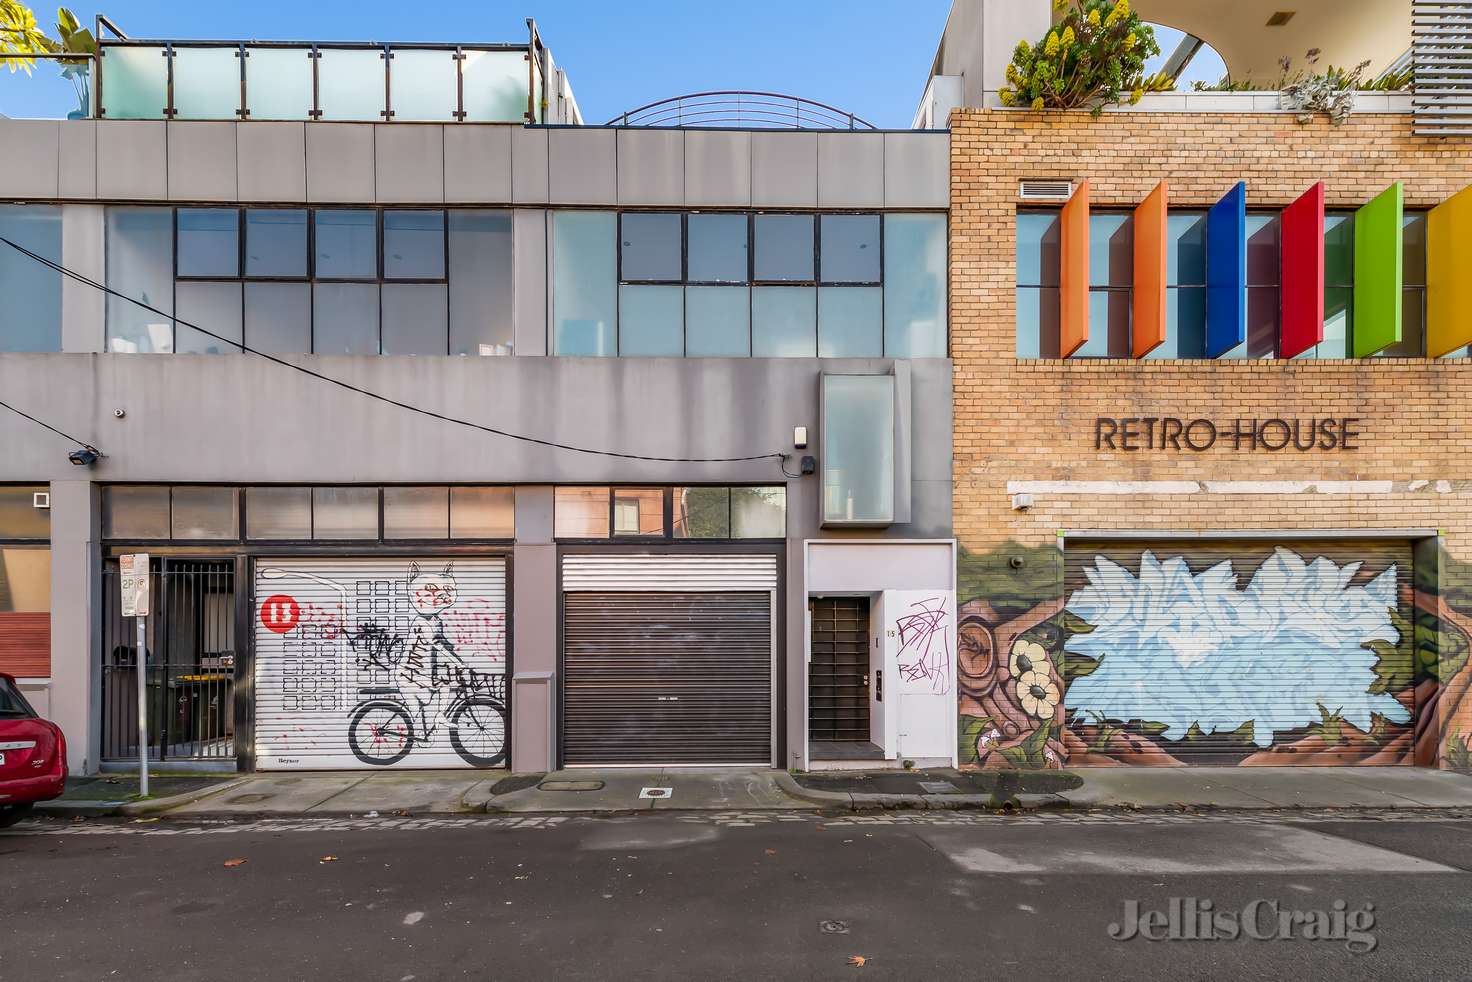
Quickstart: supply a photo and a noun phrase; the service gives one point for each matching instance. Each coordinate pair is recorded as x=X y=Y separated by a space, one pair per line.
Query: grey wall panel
x=582 y=166
x=534 y=604
x=202 y=161
x=77 y=164
x=917 y=170
x=83 y=309
x=271 y=161
x=132 y=160
x=409 y=163
x=529 y=230
x=718 y=168
x=931 y=416
x=651 y=167
x=534 y=514
x=529 y=166
x=477 y=164
x=29 y=155
x=75 y=610
x=850 y=170
x=784 y=170
x=340 y=162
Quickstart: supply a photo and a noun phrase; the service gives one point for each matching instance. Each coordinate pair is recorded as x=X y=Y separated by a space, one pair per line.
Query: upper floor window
x=604 y=512
x=30 y=293
x=764 y=285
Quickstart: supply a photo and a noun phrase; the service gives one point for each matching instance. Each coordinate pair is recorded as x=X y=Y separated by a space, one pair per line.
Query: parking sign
x=134 y=570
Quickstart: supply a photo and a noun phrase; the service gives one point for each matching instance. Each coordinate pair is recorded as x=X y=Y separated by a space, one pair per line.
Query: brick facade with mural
x=1136 y=592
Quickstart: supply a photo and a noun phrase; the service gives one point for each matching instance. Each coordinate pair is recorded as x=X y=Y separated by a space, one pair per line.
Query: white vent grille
x=41 y=499
x=1045 y=190
x=685 y=574
x=1441 y=51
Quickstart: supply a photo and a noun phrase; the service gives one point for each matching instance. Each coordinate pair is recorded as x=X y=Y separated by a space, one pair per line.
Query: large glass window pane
x=584 y=283
x=209 y=242
x=717 y=322
x=344 y=513
x=423 y=85
x=482 y=283
x=413 y=245
x=1185 y=249
x=416 y=513
x=1263 y=258
x=717 y=248
x=848 y=248
x=482 y=513
x=140 y=265
x=206 y=83
x=495 y=86
x=278 y=83
x=1413 y=248
x=638 y=511
x=650 y=247
x=915 y=285
x=1037 y=322
x=784 y=248
x=702 y=513
x=215 y=307
x=19 y=516
x=580 y=513
x=346 y=245
x=135 y=512
x=278 y=317
x=858 y=449
x=25 y=580
x=1185 y=323
x=30 y=311
x=276 y=242
x=850 y=322
x=278 y=513
x=345 y=319
x=1263 y=307
x=1338 y=316
x=1339 y=250
x=1038 y=238
x=1111 y=250
x=651 y=321
x=1109 y=325
x=759 y=513
x=350 y=84
x=205 y=513
x=415 y=321
x=784 y=322
x=137 y=82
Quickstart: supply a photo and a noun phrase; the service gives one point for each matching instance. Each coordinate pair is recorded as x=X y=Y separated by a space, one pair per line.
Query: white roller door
x=384 y=662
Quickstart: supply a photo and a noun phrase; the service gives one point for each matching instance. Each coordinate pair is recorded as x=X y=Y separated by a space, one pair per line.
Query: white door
x=920 y=675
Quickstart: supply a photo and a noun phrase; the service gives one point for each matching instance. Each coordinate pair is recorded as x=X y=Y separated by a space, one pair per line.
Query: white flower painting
x=1179 y=648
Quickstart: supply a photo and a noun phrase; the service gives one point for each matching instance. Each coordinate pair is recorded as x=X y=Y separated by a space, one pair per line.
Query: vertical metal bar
x=168 y=53
x=315 y=56
x=244 y=111
x=142 y=661
x=388 y=98
x=459 y=85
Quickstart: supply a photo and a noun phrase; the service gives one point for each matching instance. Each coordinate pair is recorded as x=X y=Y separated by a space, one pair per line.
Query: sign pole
x=133 y=580
x=142 y=707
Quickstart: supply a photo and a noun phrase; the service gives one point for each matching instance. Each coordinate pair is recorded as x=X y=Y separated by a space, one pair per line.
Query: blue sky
x=870 y=57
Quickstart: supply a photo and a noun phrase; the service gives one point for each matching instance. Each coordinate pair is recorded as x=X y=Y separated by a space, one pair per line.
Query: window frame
x=668 y=535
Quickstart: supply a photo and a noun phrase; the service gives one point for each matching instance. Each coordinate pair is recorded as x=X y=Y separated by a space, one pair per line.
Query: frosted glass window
x=784 y=322
x=209 y=242
x=784 y=247
x=350 y=84
x=638 y=511
x=344 y=513
x=345 y=319
x=650 y=247
x=482 y=513
x=137 y=82
x=278 y=513
x=702 y=513
x=276 y=243
x=205 y=513
x=30 y=316
x=482 y=283
x=416 y=513
x=215 y=307
x=278 y=317
x=849 y=248
x=584 y=283
x=346 y=244
x=858 y=449
x=140 y=265
x=850 y=322
x=206 y=83
x=717 y=248
x=413 y=245
x=278 y=83
x=580 y=513
x=915 y=266
x=26 y=573
x=718 y=322
x=422 y=85
x=414 y=319
x=495 y=86
x=651 y=321
x=19 y=516
x=139 y=512
x=758 y=513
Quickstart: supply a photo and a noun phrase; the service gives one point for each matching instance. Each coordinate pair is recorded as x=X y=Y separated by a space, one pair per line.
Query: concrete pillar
x=534 y=633
x=76 y=619
x=83 y=308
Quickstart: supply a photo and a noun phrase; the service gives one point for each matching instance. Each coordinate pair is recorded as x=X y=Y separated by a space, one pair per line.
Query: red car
x=32 y=755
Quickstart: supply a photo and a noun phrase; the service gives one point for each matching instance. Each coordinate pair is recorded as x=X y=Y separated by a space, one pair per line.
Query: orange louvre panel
x=25 y=645
x=1148 y=328
x=1073 y=276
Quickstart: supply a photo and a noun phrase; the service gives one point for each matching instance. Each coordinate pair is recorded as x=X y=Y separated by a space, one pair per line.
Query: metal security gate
x=676 y=667
x=1275 y=652
x=380 y=662
x=838 y=675
x=191 y=663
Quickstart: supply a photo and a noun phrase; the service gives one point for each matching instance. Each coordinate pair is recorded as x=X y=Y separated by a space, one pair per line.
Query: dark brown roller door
x=667 y=678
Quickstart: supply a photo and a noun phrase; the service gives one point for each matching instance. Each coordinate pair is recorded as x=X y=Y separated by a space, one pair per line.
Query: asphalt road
x=666 y=896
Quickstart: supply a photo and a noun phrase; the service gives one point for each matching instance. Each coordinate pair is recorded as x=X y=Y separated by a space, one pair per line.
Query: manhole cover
x=833 y=927
x=657 y=793
x=939 y=787
x=570 y=786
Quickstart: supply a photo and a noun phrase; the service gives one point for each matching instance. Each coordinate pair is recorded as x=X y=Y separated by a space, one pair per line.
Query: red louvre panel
x=1303 y=273
x=25 y=644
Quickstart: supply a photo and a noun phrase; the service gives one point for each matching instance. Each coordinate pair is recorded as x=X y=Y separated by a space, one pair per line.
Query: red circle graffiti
x=280 y=613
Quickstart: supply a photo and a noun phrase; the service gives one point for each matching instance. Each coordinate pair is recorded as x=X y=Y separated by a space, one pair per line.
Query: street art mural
x=375 y=664
x=1271 y=655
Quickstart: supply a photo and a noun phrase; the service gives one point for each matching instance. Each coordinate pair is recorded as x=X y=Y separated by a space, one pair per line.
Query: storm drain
x=570 y=786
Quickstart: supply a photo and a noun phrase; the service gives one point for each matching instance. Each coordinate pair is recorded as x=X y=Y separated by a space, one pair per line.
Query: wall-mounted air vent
x=1045 y=190
x=41 y=499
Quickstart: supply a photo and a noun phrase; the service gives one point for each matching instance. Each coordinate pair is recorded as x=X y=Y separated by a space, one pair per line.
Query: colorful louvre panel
x=1226 y=273
x=1449 y=275
x=1073 y=277
x=1302 y=272
x=1148 y=314
x=1378 y=272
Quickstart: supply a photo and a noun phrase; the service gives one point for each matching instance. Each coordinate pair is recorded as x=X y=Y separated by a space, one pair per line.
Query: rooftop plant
x=21 y=36
x=1093 y=57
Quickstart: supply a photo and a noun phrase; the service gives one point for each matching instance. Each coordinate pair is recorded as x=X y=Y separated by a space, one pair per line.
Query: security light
x=85 y=457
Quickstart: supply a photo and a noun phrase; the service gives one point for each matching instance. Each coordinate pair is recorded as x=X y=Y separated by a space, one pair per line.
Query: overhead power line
x=379 y=397
x=45 y=425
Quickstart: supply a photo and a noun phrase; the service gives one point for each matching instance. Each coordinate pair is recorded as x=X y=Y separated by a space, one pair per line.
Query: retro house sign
x=1170 y=433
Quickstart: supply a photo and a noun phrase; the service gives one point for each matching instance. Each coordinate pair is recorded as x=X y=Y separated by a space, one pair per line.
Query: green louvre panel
x=1377 y=272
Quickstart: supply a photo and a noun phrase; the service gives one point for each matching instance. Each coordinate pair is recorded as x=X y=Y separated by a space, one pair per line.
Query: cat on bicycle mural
x=431 y=684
